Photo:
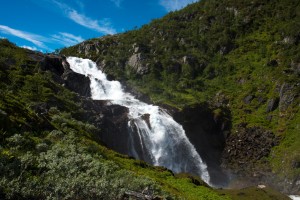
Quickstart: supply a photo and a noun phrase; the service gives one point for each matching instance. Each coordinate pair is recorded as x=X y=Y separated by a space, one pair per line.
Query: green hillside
x=48 y=149
x=240 y=55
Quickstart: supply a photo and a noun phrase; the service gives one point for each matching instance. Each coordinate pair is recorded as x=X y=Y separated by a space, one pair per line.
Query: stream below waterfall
x=155 y=137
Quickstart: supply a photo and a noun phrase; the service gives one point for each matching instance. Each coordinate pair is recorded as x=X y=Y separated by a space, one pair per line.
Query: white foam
x=294 y=197
x=164 y=141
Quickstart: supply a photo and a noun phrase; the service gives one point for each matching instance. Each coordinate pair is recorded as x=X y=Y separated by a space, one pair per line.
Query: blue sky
x=46 y=25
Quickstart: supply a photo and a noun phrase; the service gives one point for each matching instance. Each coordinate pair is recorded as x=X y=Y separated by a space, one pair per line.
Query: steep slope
x=50 y=147
x=241 y=56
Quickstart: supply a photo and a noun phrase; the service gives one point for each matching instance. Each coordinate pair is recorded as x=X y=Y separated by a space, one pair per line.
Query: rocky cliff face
x=64 y=75
x=112 y=120
x=207 y=132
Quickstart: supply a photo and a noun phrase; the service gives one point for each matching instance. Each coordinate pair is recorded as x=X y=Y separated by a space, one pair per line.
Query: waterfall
x=155 y=136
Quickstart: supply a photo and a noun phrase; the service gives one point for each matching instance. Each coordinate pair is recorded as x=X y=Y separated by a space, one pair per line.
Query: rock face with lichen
x=136 y=63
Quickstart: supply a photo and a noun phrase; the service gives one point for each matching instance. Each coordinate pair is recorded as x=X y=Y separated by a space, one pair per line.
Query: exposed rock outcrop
x=63 y=74
x=272 y=104
x=244 y=153
x=286 y=96
x=77 y=83
x=53 y=63
x=112 y=120
x=249 y=145
x=207 y=132
x=136 y=62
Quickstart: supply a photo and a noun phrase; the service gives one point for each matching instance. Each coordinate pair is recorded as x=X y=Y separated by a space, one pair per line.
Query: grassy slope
x=232 y=45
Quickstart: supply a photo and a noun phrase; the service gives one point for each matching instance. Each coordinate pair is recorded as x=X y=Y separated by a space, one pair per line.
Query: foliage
x=216 y=51
x=48 y=150
x=212 y=49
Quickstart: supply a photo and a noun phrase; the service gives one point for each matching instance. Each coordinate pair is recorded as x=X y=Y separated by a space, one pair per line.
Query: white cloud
x=33 y=38
x=30 y=48
x=67 y=39
x=104 y=26
x=117 y=2
x=171 y=5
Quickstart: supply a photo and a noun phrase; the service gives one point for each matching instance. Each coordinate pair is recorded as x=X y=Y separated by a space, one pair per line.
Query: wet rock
x=146 y=118
x=272 y=104
x=77 y=83
x=112 y=120
x=53 y=63
x=65 y=64
x=206 y=131
x=137 y=94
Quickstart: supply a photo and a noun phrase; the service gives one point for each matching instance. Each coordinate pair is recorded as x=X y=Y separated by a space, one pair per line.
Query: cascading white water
x=162 y=140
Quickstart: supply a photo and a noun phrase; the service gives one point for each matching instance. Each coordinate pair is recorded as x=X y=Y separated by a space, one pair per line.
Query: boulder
x=53 y=63
x=137 y=94
x=146 y=118
x=136 y=62
x=248 y=99
x=77 y=83
x=112 y=120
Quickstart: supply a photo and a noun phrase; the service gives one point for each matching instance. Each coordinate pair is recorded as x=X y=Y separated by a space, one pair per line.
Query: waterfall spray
x=155 y=136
